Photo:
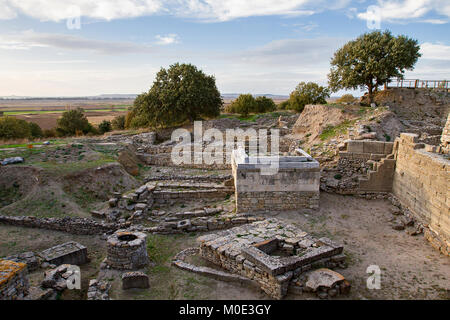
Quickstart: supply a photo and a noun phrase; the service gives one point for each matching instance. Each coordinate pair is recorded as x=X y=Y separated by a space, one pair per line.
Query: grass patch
x=332 y=131
x=9 y=195
x=64 y=168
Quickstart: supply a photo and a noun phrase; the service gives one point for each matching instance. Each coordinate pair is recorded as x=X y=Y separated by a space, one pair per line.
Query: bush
x=307 y=93
x=284 y=105
x=73 y=122
x=12 y=128
x=104 y=126
x=36 y=131
x=244 y=104
x=49 y=133
x=118 y=123
x=346 y=98
x=264 y=104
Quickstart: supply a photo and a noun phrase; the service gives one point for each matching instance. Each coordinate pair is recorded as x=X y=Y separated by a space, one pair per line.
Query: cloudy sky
x=81 y=47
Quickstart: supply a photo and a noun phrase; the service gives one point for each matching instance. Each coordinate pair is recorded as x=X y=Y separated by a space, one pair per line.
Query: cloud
x=296 y=52
x=30 y=39
x=434 y=51
x=403 y=10
x=205 y=10
x=167 y=39
x=56 y=10
x=434 y=21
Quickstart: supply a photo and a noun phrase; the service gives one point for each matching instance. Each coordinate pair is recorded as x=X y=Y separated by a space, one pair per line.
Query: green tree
x=104 y=126
x=307 y=93
x=244 y=104
x=371 y=60
x=35 y=130
x=12 y=128
x=346 y=98
x=264 y=104
x=180 y=93
x=73 y=122
x=118 y=123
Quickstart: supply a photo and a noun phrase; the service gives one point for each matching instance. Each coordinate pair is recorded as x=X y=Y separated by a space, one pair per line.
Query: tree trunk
x=369 y=88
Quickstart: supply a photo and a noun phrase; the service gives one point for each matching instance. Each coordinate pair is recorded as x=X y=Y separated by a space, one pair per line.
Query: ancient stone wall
x=245 y=252
x=13 y=280
x=69 y=225
x=357 y=153
x=421 y=183
x=445 y=138
x=292 y=186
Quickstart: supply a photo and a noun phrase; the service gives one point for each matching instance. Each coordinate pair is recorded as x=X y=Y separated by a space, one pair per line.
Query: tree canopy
x=180 y=93
x=371 y=60
x=246 y=103
x=73 y=122
x=306 y=93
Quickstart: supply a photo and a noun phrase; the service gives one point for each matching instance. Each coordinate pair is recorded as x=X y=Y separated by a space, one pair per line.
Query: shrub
x=307 y=93
x=49 y=133
x=73 y=122
x=118 y=123
x=284 y=105
x=35 y=130
x=104 y=126
x=346 y=98
x=264 y=104
x=244 y=104
x=12 y=128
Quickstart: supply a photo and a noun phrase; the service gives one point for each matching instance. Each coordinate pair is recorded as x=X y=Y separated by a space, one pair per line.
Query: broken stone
x=135 y=279
x=184 y=224
x=398 y=226
x=113 y=202
x=323 y=278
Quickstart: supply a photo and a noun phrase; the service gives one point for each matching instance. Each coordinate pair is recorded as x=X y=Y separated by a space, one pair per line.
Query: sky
x=83 y=48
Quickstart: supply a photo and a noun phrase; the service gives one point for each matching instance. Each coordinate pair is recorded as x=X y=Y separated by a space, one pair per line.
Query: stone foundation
x=421 y=184
x=66 y=253
x=270 y=253
x=293 y=185
x=13 y=280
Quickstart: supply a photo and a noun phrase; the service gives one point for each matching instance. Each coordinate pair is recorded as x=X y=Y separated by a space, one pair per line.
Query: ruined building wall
x=294 y=185
x=421 y=183
x=445 y=138
x=13 y=280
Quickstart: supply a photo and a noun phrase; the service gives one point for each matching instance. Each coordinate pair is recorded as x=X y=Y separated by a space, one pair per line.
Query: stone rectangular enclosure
x=270 y=183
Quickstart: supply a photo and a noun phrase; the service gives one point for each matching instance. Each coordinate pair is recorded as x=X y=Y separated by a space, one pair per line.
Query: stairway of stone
x=380 y=178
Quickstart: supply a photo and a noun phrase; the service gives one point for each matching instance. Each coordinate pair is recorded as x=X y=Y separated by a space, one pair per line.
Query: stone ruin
x=66 y=253
x=13 y=280
x=127 y=250
x=292 y=184
x=269 y=252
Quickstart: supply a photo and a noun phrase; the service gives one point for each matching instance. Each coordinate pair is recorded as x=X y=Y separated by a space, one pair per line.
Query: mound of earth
x=47 y=193
x=315 y=119
x=16 y=182
x=99 y=182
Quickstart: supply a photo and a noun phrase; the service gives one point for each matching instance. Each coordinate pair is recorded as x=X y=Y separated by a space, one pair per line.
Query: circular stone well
x=127 y=250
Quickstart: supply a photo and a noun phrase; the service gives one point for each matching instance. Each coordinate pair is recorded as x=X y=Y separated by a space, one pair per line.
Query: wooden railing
x=416 y=83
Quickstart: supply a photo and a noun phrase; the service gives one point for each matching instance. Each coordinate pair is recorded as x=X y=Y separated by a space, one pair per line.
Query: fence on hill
x=416 y=83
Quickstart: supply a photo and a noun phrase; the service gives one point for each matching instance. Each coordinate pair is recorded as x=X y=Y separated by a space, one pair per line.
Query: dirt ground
x=411 y=268
x=48 y=120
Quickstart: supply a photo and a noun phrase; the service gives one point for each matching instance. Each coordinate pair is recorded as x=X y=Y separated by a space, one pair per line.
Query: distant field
x=45 y=112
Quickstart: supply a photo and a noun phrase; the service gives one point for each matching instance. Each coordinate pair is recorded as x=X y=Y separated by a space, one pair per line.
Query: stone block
x=66 y=253
x=135 y=279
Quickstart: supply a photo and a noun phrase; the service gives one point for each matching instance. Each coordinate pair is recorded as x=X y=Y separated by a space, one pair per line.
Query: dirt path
x=410 y=267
